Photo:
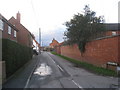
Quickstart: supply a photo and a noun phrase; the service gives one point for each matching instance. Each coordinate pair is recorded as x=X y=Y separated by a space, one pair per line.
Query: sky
x=50 y=15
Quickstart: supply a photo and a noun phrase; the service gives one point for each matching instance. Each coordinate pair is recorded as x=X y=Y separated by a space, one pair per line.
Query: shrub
x=15 y=55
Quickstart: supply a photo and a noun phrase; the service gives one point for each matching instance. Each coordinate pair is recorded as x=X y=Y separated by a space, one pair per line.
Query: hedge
x=15 y=55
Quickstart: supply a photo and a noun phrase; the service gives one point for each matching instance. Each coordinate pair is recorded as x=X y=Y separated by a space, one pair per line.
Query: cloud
x=57 y=33
x=49 y=15
x=46 y=36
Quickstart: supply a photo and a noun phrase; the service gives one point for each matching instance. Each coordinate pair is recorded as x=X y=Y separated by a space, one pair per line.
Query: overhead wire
x=36 y=19
x=37 y=22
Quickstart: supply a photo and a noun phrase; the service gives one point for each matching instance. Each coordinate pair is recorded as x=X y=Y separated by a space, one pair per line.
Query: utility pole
x=40 y=40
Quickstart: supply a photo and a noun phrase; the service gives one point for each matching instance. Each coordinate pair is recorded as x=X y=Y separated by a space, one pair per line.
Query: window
x=113 y=33
x=1 y=24
x=14 y=33
x=9 y=30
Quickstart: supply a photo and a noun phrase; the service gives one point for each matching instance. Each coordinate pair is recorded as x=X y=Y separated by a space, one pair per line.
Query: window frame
x=114 y=33
x=9 y=29
x=15 y=33
x=1 y=25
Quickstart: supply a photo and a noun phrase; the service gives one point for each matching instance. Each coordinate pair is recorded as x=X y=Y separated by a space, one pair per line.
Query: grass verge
x=90 y=67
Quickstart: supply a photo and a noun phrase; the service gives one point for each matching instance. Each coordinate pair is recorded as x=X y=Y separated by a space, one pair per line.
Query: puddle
x=43 y=70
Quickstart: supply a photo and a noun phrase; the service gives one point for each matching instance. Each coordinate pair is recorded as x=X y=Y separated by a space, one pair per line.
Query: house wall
x=54 y=43
x=98 y=52
x=24 y=36
x=6 y=35
x=109 y=33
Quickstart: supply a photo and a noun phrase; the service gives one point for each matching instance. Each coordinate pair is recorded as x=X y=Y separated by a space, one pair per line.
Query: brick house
x=54 y=43
x=9 y=31
x=24 y=35
x=112 y=29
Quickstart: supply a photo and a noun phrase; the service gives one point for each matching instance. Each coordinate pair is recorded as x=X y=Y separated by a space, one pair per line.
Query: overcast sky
x=50 y=15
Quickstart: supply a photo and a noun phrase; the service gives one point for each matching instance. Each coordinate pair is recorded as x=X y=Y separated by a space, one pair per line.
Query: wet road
x=54 y=72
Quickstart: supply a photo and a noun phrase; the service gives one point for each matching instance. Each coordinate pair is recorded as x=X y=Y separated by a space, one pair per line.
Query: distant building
x=36 y=45
x=54 y=43
x=24 y=35
x=112 y=29
x=8 y=30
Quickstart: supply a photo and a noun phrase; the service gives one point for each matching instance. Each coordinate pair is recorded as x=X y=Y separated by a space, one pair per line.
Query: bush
x=15 y=55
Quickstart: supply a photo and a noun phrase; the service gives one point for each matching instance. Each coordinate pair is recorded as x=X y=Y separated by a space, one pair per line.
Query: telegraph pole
x=40 y=40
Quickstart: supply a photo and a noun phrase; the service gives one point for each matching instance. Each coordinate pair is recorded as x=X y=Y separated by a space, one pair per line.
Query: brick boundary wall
x=119 y=50
x=98 y=52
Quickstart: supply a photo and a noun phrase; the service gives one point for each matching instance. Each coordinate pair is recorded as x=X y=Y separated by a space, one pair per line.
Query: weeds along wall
x=15 y=55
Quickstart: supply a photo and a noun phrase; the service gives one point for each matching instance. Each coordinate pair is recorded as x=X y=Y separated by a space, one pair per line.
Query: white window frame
x=114 y=33
x=15 y=33
x=1 y=25
x=9 y=30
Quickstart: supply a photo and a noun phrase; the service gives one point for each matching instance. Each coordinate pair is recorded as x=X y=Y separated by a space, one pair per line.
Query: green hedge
x=15 y=55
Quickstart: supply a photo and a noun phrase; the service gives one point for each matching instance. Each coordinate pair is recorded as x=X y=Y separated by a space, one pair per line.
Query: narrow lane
x=55 y=72
x=55 y=77
x=49 y=71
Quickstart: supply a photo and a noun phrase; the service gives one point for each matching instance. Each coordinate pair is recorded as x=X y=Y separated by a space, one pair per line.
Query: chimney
x=18 y=17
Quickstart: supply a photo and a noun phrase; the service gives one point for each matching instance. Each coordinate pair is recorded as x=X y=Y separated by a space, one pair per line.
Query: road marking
x=69 y=74
x=60 y=68
x=77 y=84
x=56 y=64
x=53 y=61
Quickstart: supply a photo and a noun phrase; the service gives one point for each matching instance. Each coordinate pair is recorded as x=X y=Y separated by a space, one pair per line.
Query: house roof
x=112 y=26
x=5 y=20
x=23 y=27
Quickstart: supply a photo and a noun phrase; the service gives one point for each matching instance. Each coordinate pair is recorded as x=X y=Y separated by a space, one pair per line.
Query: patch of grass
x=90 y=67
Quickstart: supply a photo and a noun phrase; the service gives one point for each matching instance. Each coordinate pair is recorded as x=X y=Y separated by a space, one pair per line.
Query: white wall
x=36 y=46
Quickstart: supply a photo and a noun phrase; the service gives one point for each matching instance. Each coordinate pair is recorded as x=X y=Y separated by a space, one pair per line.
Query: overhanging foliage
x=83 y=28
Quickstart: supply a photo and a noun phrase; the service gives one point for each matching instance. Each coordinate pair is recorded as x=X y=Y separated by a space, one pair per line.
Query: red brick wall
x=71 y=51
x=58 y=49
x=8 y=36
x=98 y=52
x=23 y=34
x=119 y=50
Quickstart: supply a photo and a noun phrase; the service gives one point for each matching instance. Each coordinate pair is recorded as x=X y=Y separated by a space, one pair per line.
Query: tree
x=83 y=28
